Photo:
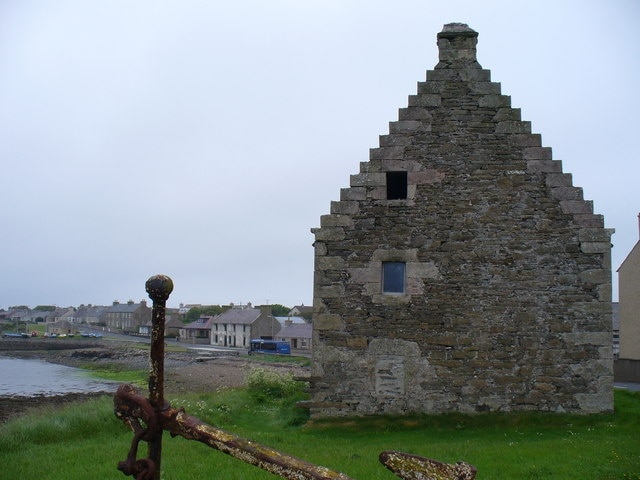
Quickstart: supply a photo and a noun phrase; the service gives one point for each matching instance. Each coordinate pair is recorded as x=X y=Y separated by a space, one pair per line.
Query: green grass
x=288 y=359
x=86 y=440
x=117 y=373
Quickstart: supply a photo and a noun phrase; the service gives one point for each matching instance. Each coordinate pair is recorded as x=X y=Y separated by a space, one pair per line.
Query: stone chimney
x=457 y=46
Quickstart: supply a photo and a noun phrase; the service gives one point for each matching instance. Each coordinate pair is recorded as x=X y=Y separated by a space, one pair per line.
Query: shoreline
x=12 y=407
x=185 y=372
x=69 y=353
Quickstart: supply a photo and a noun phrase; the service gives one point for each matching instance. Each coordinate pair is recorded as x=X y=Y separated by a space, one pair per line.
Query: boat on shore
x=17 y=335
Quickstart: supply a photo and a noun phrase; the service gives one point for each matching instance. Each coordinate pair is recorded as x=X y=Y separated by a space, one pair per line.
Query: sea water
x=26 y=378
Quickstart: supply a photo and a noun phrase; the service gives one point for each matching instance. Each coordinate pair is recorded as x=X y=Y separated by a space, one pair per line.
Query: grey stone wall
x=507 y=303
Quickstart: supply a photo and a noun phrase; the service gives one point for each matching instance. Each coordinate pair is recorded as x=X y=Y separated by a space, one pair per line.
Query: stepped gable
x=461 y=270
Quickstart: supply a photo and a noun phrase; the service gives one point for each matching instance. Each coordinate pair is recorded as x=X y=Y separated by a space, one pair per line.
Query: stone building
x=629 y=293
x=461 y=270
x=198 y=331
x=237 y=326
x=127 y=317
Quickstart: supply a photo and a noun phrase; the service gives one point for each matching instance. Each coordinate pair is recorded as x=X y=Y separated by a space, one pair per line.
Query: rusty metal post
x=159 y=287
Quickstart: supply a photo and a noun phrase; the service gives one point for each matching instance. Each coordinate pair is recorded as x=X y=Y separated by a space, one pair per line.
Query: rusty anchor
x=149 y=417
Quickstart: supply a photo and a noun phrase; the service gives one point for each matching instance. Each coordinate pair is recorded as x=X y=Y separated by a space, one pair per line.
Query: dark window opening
x=393 y=277
x=396 y=185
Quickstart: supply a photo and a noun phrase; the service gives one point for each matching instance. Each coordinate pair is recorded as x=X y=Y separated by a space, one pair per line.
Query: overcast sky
x=204 y=139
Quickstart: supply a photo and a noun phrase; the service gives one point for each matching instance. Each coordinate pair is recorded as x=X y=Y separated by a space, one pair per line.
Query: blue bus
x=269 y=346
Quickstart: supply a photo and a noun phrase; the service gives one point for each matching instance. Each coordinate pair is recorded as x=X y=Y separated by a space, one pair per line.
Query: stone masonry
x=502 y=299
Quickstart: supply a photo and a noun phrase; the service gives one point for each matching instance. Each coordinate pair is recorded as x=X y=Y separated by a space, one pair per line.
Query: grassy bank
x=86 y=441
x=117 y=373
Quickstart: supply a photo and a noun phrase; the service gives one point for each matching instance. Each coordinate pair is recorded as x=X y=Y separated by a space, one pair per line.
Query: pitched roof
x=85 y=311
x=635 y=251
x=203 y=323
x=292 y=318
x=302 y=308
x=238 y=316
x=296 y=330
x=124 y=307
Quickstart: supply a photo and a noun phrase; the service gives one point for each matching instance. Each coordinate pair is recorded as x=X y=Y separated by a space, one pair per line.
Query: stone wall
x=506 y=303
x=31 y=344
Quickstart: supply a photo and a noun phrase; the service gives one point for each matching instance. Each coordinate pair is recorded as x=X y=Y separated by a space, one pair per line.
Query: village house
x=172 y=324
x=60 y=314
x=296 y=331
x=88 y=314
x=61 y=327
x=628 y=363
x=302 y=310
x=17 y=315
x=37 y=316
x=198 y=331
x=184 y=309
x=237 y=326
x=461 y=270
x=127 y=317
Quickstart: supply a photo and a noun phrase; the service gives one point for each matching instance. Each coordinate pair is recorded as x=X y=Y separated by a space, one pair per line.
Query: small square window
x=393 y=277
x=396 y=185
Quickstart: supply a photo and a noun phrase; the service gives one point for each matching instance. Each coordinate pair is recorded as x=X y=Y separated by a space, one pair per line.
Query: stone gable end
x=496 y=291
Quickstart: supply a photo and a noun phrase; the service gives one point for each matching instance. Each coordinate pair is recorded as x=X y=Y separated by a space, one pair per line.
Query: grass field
x=86 y=440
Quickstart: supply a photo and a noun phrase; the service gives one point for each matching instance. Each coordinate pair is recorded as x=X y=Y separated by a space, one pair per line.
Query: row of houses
x=124 y=316
x=237 y=326
x=27 y=315
x=233 y=328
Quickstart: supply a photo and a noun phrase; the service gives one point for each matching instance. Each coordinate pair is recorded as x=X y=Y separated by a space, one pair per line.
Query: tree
x=207 y=310
x=278 y=310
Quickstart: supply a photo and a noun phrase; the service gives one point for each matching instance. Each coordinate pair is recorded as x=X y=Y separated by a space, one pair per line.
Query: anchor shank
x=159 y=288
x=177 y=422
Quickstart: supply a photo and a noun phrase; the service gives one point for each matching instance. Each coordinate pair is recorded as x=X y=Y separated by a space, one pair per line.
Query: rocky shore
x=185 y=372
